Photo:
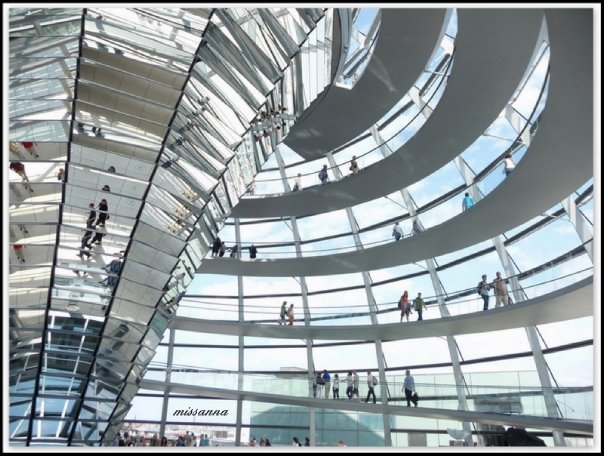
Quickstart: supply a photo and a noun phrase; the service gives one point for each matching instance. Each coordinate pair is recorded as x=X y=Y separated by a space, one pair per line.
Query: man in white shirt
x=508 y=165
x=397 y=231
x=297 y=183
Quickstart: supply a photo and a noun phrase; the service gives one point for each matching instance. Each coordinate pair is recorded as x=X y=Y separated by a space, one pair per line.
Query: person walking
x=253 y=252
x=508 y=165
x=103 y=213
x=403 y=304
x=483 y=289
x=86 y=244
x=467 y=202
x=371 y=384
x=101 y=231
x=298 y=183
x=397 y=231
x=282 y=313
x=409 y=388
x=349 y=385
x=290 y=315
x=323 y=177
x=354 y=167
x=419 y=305
x=91 y=216
x=501 y=290
x=216 y=246
x=355 y=385
x=19 y=168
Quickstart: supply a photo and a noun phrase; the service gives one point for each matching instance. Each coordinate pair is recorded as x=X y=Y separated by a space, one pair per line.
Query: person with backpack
x=371 y=384
x=483 y=289
x=403 y=304
x=323 y=177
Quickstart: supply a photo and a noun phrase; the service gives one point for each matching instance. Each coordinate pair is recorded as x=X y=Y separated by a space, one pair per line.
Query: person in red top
x=19 y=168
x=403 y=304
x=30 y=147
x=18 y=249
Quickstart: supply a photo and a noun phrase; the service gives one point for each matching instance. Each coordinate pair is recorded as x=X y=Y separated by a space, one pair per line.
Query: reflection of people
x=61 y=175
x=169 y=163
x=91 y=216
x=467 y=202
x=115 y=266
x=508 y=165
x=98 y=237
x=103 y=214
x=18 y=249
x=85 y=244
x=19 y=168
x=341 y=443
x=30 y=147
x=13 y=147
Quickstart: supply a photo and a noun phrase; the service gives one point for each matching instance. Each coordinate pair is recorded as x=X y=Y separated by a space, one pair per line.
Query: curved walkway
x=536 y=422
x=548 y=308
x=406 y=40
x=559 y=160
x=493 y=49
